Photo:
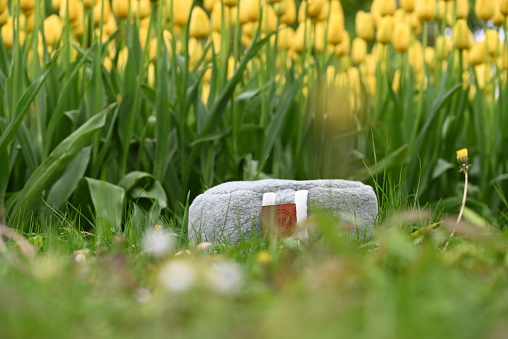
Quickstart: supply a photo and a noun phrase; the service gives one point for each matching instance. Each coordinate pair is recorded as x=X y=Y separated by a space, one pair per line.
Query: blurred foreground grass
x=401 y=284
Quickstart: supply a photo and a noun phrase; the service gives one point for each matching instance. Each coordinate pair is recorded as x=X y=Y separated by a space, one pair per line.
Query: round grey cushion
x=228 y=212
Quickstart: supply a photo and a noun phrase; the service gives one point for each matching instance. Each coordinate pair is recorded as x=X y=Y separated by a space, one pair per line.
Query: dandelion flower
x=225 y=277
x=177 y=276
x=158 y=242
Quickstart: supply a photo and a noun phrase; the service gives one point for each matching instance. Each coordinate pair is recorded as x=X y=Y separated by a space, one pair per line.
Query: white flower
x=158 y=242
x=225 y=277
x=177 y=276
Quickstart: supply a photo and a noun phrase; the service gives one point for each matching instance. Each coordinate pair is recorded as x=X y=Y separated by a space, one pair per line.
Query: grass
x=400 y=284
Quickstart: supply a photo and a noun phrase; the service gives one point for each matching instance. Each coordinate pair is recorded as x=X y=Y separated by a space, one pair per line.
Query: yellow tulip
x=208 y=4
x=425 y=10
x=253 y=7
x=408 y=5
x=7 y=33
x=493 y=43
x=89 y=3
x=320 y=38
x=120 y=8
x=415 y=56
x=430 y=57
x=141 y=8
x=484 y=9
x=302 y=11
x=289 y=16
x=55 y=4
x=396 y=82
x=27 y=5
x=216 y=16
x=151 y=75
x=268 y=20
x=385 y=30
x=285 y=36
x=477 y=53
x=71 y=8
x=102 y=8
x=303 y=37
x=4 y=15
x=462 y=36
x=335 y=29
x=110 y=26
x=358 y=50
x=314 y=7
x=199 y=23
x=3 y=5
x=364 y=25
x=498 y=17
x=195 y=52
x=462 y=8
x=387 y=7
x=503 y=7
x=181 y=10
x=230 y=3
x=401 y=37
x=443 y=47
x=121 y=60
x=344 y=47
x=371 y=84
x=53 y=27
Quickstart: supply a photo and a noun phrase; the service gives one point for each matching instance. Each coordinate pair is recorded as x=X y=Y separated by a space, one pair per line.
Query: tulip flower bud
x=387 y=7
x=285 y=37
x=430 y=57
x=344 y=47
x=230 y=3
x=425 y=10
x=120 y=8
x=208 y=4
x=199 y=23
x=443 y=47
x=401 y=37
x=27 y=5
x=102 y=9
x=484 y=9
x=477 y=53
x=269 y=20
x=358 y=50
x=89 y=3
x=71 y=8
x=216 y=16
x=180 y=9
x=396 y=82
x=141 y=8
x=4 y=15
x=408 y=5
x=314 y=8
x=252 y=7
x=493 y=43
x=462 y=37
x=503 y=7
x=289 y=16
x=498 y=17
x=415 y=56
x=335 y=29
x=7 y=33
x=364 y=25
x=302 y=11
x=3 y=5
x=53 y=28
x=385 y=30
x=462 y=8
x=303 y=37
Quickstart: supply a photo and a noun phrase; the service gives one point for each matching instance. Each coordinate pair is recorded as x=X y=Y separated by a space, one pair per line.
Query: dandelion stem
x=463 y=197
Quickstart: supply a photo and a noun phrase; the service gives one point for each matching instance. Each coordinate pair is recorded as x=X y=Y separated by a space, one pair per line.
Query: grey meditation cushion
x=230 y=211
